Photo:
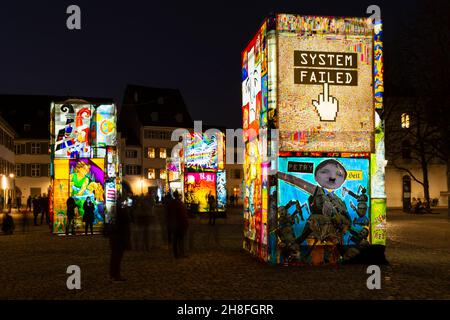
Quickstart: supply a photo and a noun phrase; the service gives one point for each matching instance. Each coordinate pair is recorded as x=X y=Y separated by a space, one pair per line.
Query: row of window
x=157 y=134
x=151 y=173
x=32 y=170
x=6 y=140
x=150 y=153
x=31 y=148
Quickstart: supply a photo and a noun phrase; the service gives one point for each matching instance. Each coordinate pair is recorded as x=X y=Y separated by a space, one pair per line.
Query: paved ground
x=33 y=266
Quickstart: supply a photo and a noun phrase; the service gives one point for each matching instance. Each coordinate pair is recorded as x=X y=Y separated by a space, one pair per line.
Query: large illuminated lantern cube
x=84 y=162
x=197 y=172
x=312 y=90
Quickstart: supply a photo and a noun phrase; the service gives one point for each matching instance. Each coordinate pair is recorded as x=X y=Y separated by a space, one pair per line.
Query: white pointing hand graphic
x=327 y=106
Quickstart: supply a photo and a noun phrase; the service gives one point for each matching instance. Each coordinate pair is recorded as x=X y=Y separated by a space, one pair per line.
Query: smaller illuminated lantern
x=84 y=162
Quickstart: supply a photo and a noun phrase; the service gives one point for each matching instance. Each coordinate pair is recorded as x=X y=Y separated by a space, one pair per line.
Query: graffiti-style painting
x=199 y=187
x=87 y=179
x=201 y=152
x=221 y=190
x=73 y=130
x=322 y=201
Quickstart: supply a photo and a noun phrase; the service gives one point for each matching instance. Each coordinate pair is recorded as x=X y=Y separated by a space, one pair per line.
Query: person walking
x=212 y=210
x=35 y=210
x=119 y=239
x=43 y=205
x=178 y=225
x=8 y=224
x=88 y=217
x=70 y=215
x=9 y=204
x=28 y=208
x=19 y=202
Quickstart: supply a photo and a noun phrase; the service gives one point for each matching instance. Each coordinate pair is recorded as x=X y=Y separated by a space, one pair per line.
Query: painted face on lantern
x=330 y=174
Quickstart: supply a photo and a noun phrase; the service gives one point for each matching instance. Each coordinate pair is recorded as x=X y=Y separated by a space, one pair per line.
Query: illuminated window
x=151 y=173
x=35 y=170
x=35 y=148
x=405 y=120
x=162 y=174
x=150 y=152
x=162 y=153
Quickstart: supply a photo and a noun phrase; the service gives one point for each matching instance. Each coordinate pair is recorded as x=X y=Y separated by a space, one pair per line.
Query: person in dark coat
x=70 y=215
x=8 y=224
x=88 y=217
x=43 y=205
x=119 y=239
x=177 y=219
x=36 y=210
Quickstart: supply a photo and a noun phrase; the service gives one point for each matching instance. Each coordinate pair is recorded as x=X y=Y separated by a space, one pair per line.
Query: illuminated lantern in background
x=312 y=95
x=197 y=172
x=84 y=161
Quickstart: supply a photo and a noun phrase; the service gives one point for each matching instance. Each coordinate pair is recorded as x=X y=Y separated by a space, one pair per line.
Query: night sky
x=194 y=46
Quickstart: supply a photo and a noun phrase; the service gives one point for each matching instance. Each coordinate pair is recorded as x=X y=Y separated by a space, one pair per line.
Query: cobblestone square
x=34 y=266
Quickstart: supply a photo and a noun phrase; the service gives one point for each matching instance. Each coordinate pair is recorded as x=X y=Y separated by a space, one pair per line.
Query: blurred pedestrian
x=28 y=203
x=178 y=225
x=9 y=203
x=24 y=221
x=43 y=205
x=88 y=217
x=19 y=203
x=119 y=239
x=2 y=203
x=212 y=210
x=70 y=215
x=36 y=209
x=8 y=224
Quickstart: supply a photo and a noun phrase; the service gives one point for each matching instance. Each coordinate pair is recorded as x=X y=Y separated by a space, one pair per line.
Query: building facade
x=7 y=178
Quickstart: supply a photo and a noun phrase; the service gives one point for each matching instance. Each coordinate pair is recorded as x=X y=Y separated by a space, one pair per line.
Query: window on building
x=406 y=149
x=132 y=170
x=131 y=153
x=162 y=174
x=35 y=170
x=150 y=152
x=17 y=148
x=162 y=153
x=405 y=120
x=35 y=148
x=151 y=173
x=237 y=174
x=18 y=170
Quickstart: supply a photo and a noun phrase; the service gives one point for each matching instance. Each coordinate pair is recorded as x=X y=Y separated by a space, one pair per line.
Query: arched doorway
x=406 y=193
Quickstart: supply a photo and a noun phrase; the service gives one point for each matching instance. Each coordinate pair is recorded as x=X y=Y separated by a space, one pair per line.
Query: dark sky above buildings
x=194 y=46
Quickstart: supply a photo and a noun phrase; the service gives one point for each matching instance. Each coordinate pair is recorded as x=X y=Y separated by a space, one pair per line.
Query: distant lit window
x=151 y=173
x=35 y=148
x=151 y=152
x=162 y=174
x=17 y=149
x=405 y=120
x=162 y=153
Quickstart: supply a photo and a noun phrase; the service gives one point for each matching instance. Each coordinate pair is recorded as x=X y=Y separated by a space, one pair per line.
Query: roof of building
x=150 y=106
x=29 y=115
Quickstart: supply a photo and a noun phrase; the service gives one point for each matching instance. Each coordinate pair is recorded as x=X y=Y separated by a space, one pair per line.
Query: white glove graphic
x=327 y=106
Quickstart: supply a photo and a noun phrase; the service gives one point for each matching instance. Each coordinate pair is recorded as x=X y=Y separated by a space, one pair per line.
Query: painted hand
x=327 y=106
